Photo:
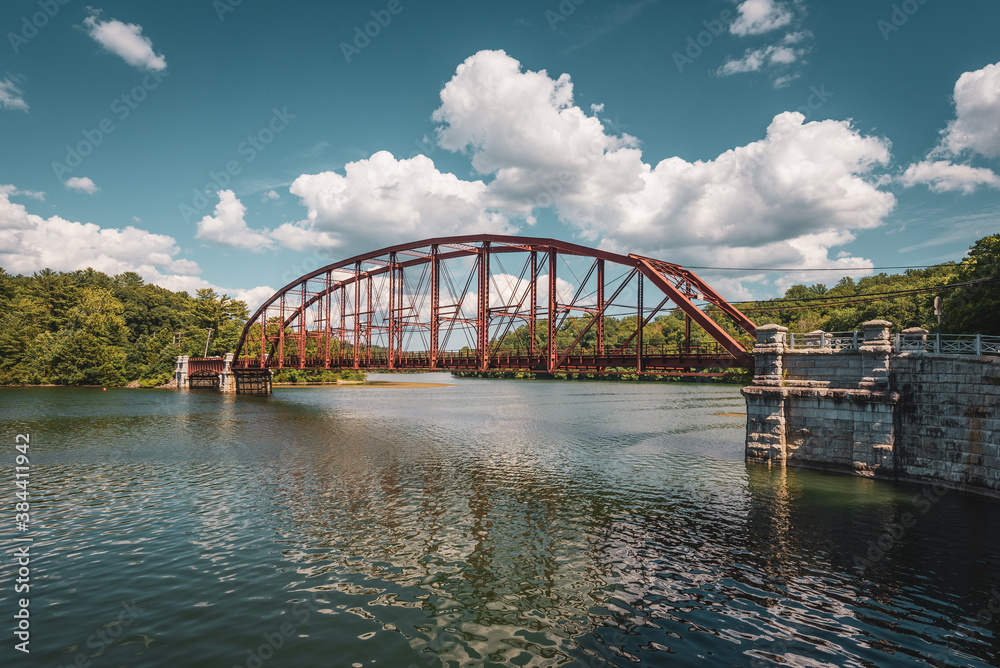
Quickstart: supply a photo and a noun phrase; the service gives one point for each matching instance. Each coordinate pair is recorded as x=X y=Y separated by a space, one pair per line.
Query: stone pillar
x=766 y=399
x=874 y=404
x=181 y=371
x=767 y=354
x=227 y=383
x=875 y=351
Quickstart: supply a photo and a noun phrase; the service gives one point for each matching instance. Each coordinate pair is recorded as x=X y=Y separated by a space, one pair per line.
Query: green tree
x=91 y=348
x=976 y=309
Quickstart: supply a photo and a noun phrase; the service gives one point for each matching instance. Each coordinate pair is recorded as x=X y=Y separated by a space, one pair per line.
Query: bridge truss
x=487 y=303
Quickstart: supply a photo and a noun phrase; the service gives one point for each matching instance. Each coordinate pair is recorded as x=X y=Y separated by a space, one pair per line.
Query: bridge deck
x=609 y=362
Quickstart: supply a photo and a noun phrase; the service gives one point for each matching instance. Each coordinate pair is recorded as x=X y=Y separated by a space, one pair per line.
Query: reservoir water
x=486 y=522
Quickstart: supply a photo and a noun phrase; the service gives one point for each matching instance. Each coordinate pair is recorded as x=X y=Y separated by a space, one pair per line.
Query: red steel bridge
x=491 y=303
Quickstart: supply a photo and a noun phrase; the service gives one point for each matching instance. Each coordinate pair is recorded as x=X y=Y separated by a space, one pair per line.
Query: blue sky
x=237 y=145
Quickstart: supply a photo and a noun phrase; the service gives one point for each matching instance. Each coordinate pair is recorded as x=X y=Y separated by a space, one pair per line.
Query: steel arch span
x=492 y=303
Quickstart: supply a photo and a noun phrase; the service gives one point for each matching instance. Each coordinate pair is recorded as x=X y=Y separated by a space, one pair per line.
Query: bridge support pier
x=210 y=372
x=252 y=381
x=857 y=403
x=181 y=372
x=821 y=407
x=227 y=382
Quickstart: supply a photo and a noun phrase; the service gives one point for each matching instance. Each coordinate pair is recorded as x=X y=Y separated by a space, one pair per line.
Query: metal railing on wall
x=949 y=344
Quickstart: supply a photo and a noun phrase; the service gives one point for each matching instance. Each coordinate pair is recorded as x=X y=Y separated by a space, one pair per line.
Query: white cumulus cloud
x=11 y=96
x=789 y=197
x=82 y=184
x=977 y=110
x=756 y=17
x=794 y=197
x=12 y=190
x=228 y=227
x=944 y=175
x=382 y=200
x=125 y=40
x=29 y=243
x=754 y=60
x=779 y=56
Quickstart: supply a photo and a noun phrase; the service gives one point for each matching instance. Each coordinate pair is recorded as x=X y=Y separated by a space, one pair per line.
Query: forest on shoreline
x=88 y=328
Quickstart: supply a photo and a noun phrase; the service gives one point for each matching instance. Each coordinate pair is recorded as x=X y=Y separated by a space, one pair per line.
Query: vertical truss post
x=263 y=336
x=533 y=315
x=483 y=312
x=302 y=327
x=550 y=345
x=392 y=303
x=368 y=323
x=638 y=331
x=687 y=334
x=357 y=314
x=399 y=315
x=435 y=304
x=600 y=310
x=328 y=325
x=281 y=333
x=342 y=330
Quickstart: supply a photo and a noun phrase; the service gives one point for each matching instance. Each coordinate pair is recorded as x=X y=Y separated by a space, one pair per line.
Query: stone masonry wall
x=949 y=418
x=875 y=412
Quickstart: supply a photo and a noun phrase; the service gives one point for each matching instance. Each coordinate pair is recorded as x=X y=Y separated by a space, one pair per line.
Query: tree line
x=88 y=328
x=906 y=299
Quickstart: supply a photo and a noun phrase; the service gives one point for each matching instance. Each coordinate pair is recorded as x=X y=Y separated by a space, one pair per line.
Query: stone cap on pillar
x=876 y=330
x=913 y=338
x=771 y=334
x=876 y=336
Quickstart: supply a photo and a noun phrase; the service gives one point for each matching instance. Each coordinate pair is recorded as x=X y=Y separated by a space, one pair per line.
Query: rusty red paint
x=407 y=327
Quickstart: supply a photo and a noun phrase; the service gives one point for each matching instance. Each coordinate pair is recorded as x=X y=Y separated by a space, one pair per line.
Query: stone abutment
x=873 y=406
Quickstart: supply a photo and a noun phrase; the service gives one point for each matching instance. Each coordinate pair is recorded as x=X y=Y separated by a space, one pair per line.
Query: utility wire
x=869 y=296
x=795 y=269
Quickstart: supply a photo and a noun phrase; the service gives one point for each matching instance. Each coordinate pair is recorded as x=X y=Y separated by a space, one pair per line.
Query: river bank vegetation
x=88 y=328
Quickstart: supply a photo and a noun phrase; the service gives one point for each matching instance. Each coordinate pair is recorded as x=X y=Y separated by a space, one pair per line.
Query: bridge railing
x=907 y=341
x=468 y=358
x=951 y=344
x=824 y=340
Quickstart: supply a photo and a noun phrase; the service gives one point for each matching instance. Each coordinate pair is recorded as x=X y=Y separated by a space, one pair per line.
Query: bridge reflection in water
x=492 y=303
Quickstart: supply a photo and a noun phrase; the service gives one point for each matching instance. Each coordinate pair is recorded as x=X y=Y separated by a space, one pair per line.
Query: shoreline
x=367 y=383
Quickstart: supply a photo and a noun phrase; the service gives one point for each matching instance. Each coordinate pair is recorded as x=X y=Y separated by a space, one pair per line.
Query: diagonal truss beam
x=660 y=280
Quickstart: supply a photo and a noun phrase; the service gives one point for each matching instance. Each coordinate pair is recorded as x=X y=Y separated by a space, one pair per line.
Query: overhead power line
x=794 y=269
x=843 y=300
